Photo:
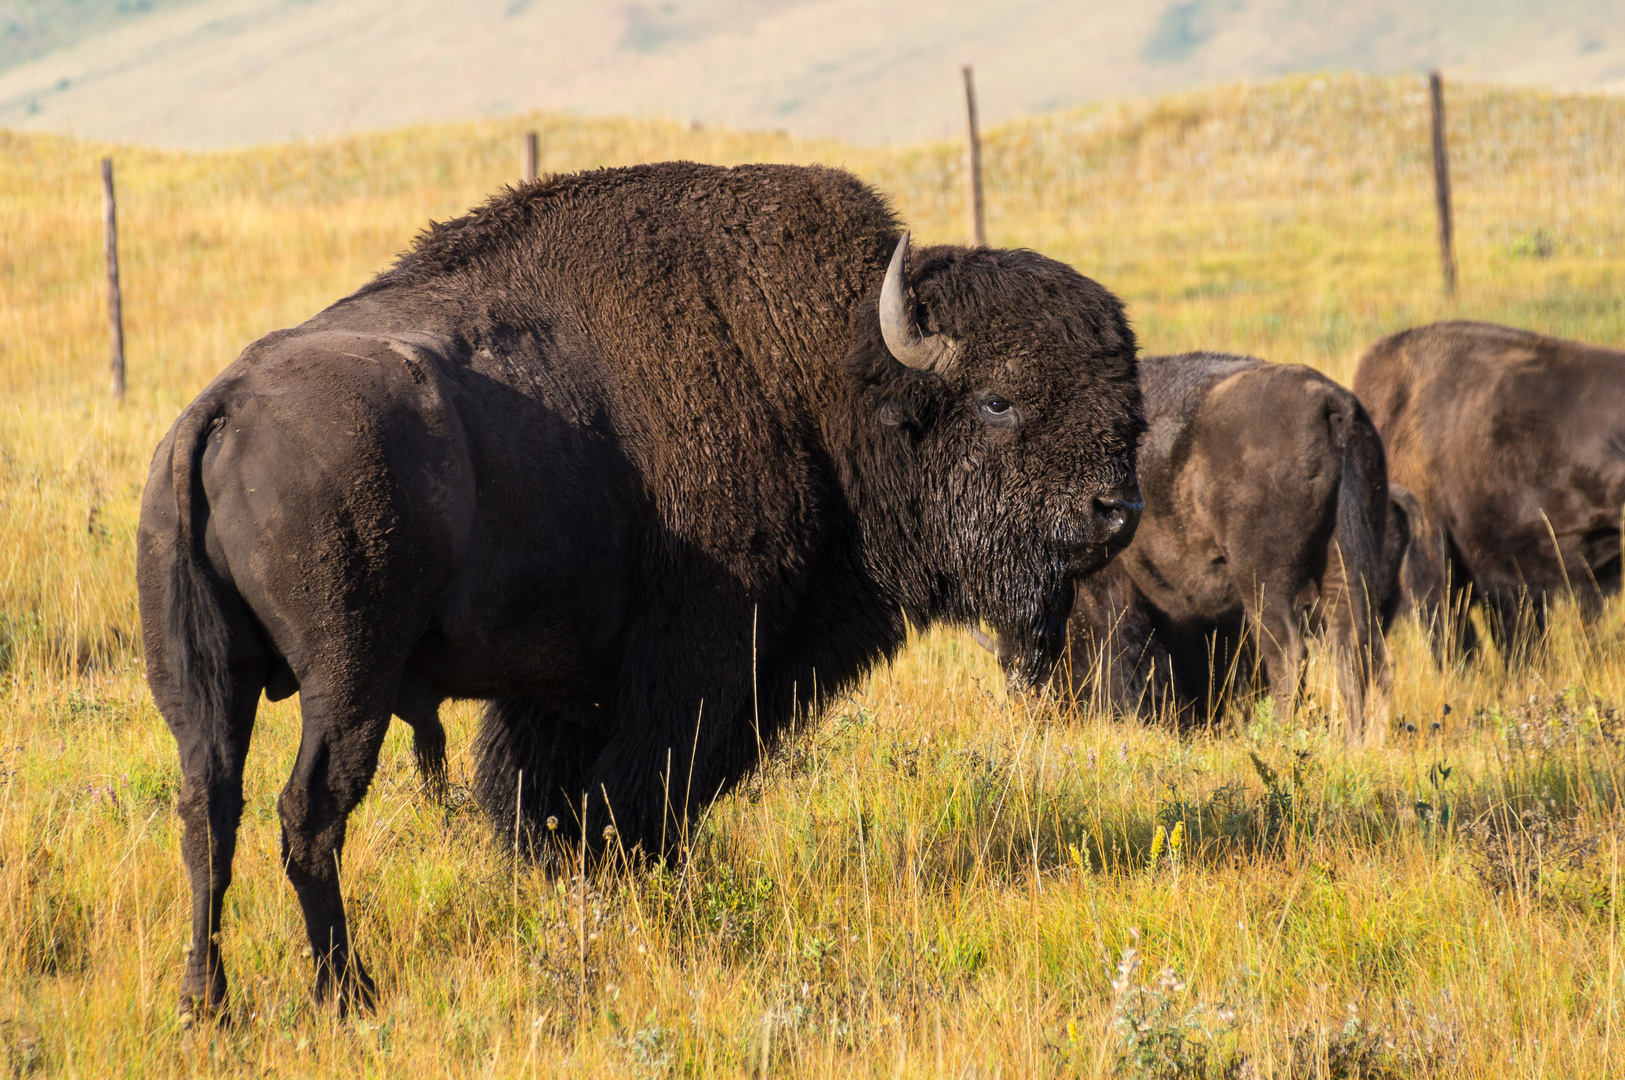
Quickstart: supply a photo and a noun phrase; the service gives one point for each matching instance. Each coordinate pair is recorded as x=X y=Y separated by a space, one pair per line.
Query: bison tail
x=1359 y=537
x=1356 y=533
x=197 y=631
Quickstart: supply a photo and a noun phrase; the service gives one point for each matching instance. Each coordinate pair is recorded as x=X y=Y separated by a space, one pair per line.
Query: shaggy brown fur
x=1514 y=447
x=1266 y=517
x=623 y=453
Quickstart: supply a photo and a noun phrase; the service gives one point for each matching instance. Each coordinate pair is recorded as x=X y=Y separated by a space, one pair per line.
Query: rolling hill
x=205 y=73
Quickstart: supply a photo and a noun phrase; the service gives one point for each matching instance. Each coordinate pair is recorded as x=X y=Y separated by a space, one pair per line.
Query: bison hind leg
x=531 y=773
x=206 y=676
x=213 y=751
x=429 y=751
x=420 y=708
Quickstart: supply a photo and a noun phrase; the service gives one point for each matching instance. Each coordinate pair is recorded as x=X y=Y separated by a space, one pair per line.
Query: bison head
x=1004 y=402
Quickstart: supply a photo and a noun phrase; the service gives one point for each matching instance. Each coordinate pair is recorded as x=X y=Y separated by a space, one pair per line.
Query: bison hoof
x=203 y=995
x=351 y=989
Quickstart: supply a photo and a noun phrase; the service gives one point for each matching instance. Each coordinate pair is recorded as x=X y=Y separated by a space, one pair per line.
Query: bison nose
x=1117 y=518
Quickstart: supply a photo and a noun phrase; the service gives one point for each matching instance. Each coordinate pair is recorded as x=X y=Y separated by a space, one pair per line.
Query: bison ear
x=893 y=412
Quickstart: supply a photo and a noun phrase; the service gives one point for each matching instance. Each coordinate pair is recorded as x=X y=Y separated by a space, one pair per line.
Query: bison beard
x=634 y=456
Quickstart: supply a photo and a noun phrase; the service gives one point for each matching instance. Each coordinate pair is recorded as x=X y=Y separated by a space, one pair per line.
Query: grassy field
x=937 y=881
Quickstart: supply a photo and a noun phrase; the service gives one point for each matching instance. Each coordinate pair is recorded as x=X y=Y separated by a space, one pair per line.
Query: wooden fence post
x=115 y=306
x=527 y=159
x=1441 y=185
x=978 y=221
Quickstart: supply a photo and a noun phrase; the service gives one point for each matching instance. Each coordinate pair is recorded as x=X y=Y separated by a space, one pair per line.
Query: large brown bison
x=1267 y=517
x=649 y=458
x=1514 y=447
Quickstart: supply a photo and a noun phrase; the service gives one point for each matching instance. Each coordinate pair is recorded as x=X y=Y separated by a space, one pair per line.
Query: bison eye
x=998 y=412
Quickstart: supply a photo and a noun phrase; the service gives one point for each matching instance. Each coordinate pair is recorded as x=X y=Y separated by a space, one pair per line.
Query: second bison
x=1267 y=517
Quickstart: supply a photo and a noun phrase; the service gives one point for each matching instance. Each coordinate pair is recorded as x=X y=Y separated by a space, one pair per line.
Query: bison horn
x=922 y=352
x=986 y=640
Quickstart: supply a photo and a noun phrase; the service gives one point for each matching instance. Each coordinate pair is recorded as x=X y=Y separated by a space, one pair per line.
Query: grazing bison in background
x=645 y=457
x=1267 y=516
x=1513 y=445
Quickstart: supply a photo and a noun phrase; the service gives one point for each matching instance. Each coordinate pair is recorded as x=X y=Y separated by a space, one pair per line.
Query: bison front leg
x=534 y=766
x=338 y=754
x=647 y=797
x=649 y=789
x=1114 y=662
x=557 y=780
x=1275 y=622
x=1517 y=622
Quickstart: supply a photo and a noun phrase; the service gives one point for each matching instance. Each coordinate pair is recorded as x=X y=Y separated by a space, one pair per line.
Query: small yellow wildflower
x=1158 y=840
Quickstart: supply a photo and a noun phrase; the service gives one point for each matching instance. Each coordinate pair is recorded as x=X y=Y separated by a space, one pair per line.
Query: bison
x=650 y=459
x=1513 y=445
x=1267 y=515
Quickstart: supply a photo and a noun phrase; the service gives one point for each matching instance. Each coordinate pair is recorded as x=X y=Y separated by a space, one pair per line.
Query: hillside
x=32 y=28
x=231 y=72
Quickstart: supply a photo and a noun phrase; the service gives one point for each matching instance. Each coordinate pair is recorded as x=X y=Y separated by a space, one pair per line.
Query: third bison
x=1514 y=446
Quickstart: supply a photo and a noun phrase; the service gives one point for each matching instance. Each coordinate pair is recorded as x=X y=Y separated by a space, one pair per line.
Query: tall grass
x=936 y=881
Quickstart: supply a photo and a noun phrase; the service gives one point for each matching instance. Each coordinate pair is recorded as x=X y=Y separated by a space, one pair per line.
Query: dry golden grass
x=936 y=881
